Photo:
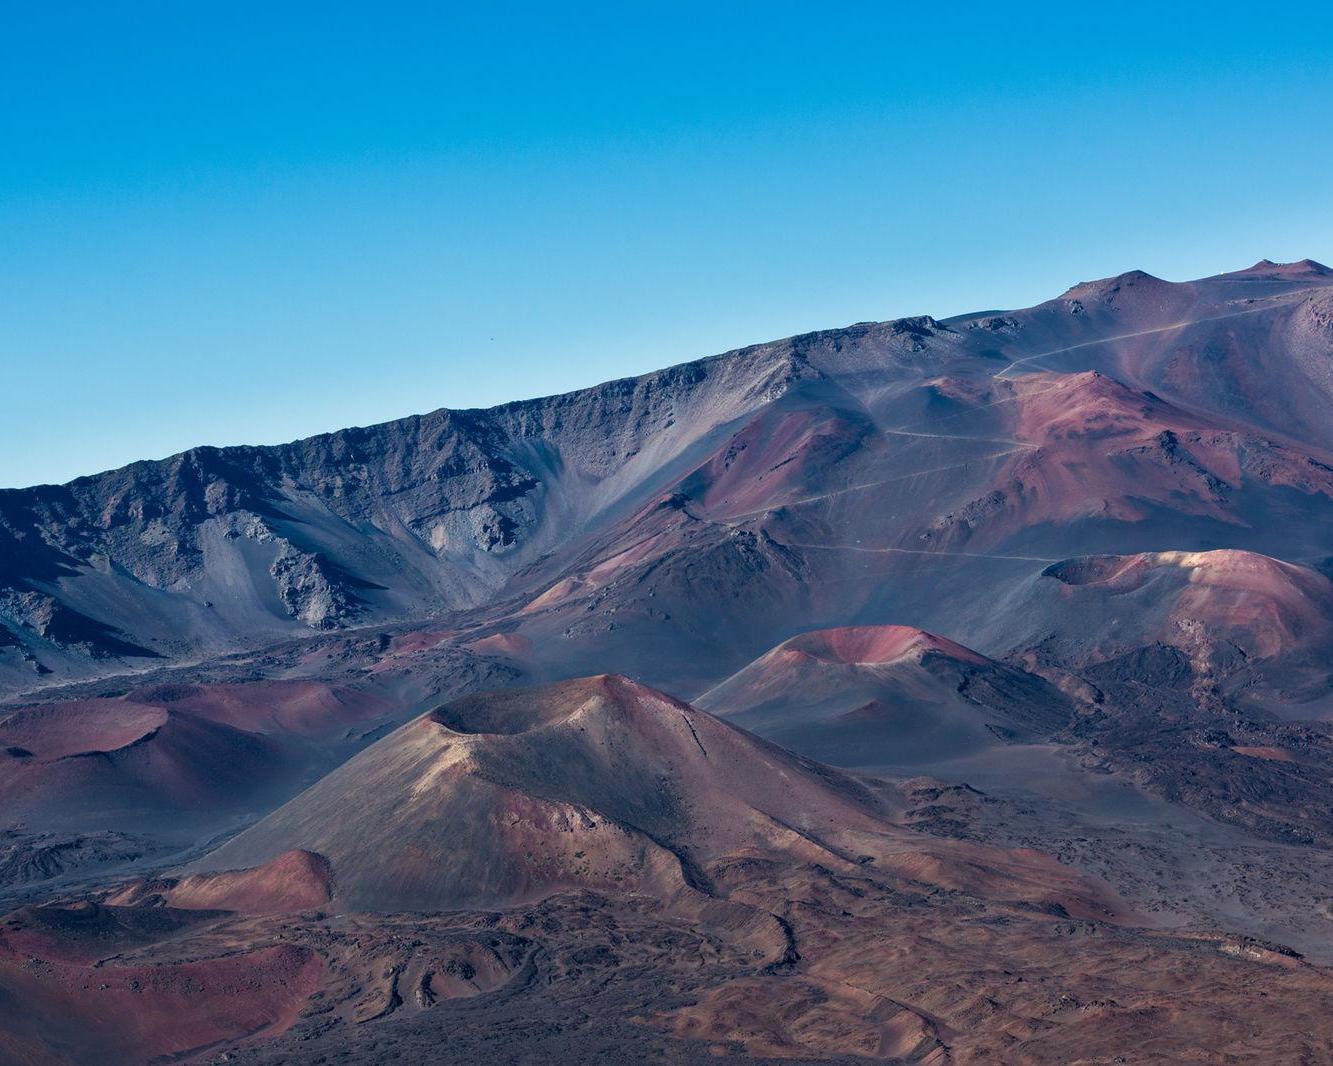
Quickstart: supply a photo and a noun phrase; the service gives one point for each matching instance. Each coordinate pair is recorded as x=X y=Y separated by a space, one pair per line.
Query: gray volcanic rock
x=877 y=473
x=220 y=548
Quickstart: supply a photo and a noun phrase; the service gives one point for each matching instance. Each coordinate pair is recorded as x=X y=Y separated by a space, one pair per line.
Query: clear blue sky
x=248 y=222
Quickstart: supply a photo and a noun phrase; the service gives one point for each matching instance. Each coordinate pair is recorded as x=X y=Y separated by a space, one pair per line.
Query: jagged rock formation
x=1145 y=416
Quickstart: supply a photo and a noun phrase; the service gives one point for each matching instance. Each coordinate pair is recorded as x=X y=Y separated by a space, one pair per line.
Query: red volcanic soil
x=295 y=881
x=1248 y=627
x=514 y=645
x=1091 y=449
x=777 y=456
x=419 y=640
x=291 y=707
x=1200 y=602
x=1249 y=346
x=868 y=645
x=111 y=761
x=510 y=796
x=885 y=696
x=169 y=748
x=1055 y=407
x=55 y=731
x=1266 y=606
x=83 y=1009
x=133 y=1013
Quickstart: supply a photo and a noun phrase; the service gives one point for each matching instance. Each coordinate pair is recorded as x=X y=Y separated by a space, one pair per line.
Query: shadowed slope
x=886 y=696
x=166 y=754
x=305 y=708
x=120 y=764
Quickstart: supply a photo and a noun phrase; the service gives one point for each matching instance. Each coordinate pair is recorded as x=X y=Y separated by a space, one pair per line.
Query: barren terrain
x=920 y=691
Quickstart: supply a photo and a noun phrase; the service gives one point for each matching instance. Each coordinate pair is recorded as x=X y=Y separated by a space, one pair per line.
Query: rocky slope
x=594 y=870
x=1055 y=581
x=1129 y=414
x=605 y=785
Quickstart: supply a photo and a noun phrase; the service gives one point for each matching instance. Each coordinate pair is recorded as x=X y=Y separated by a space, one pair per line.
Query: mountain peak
x=1266 y=269
x=874 y=645
x=1107 y=288
x=512 y=712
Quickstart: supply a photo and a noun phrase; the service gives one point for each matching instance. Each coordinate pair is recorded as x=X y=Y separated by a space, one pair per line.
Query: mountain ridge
x=345 y=741
x=1297 y=268
x=218 y=549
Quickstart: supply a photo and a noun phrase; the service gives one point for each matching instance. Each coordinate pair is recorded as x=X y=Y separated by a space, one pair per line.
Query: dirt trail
x=920 y=551
x=1128 y=336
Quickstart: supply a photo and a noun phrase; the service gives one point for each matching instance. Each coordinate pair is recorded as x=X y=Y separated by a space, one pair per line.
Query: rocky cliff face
x=1105 y=421
x=217 y=548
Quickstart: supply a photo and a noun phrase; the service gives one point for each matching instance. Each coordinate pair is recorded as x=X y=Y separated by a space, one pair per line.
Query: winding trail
x=1128 y=336
x=919 y=551
x=956 y=436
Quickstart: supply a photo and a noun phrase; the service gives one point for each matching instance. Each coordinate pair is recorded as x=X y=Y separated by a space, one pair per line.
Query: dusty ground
x=871 y=971
x=850 y=967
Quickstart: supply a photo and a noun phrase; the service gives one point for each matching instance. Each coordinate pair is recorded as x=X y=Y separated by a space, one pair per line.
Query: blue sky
x=244 y=223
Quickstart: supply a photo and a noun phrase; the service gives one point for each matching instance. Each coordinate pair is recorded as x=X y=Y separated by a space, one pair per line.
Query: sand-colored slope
x=605 y=784
x=1265 y=606
x=598 y=782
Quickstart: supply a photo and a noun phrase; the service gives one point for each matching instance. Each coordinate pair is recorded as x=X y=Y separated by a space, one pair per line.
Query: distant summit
x=1268 y=270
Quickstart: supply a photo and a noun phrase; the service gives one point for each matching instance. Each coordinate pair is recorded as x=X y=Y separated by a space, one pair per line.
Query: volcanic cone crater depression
x=924 y=691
